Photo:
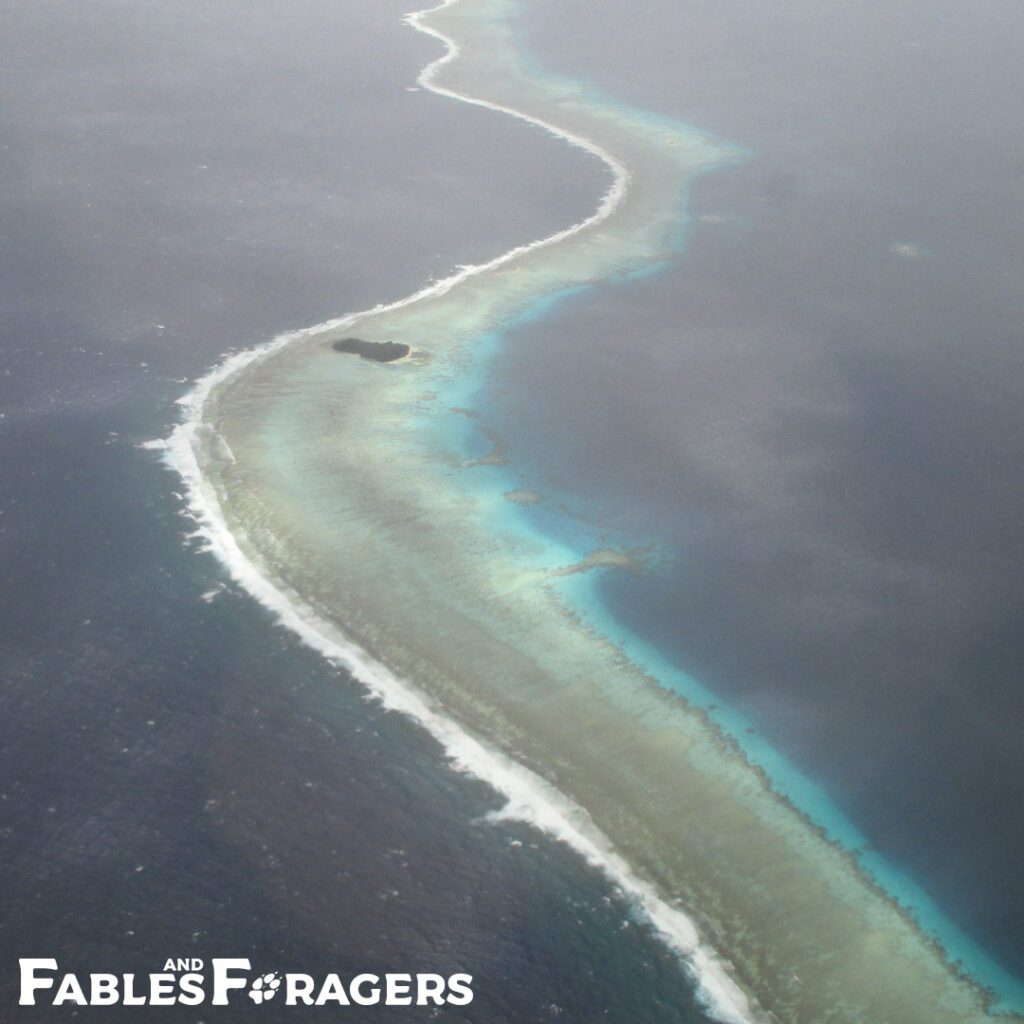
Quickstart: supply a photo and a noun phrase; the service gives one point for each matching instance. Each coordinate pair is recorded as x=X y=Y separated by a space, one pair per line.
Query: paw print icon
x=264 y=987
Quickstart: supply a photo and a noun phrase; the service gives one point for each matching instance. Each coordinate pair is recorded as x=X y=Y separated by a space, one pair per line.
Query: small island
x=378 y=351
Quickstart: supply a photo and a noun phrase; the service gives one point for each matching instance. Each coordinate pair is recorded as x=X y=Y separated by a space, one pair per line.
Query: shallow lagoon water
x=563 y=532
x=829 y=472
x=179 y=776
x=420 y=574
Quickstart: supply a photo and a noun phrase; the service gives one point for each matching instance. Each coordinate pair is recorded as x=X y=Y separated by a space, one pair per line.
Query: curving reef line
x=332 y=491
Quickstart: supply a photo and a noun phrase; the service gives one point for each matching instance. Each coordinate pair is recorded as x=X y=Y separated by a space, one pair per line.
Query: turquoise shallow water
x=561 y=530
x=558 y=531
x=211 y=786
x=361 y=471
x=850 y=320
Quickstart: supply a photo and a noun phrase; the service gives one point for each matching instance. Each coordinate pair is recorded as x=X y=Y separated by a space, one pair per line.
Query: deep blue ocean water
x=817 y=424
x=179 y=778
x=813 y=414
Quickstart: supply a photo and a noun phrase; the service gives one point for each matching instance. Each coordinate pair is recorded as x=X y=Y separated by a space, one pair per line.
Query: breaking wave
x=528 y=797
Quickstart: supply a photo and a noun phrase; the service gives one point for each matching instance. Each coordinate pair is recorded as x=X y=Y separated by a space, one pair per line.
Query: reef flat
x=335 y=489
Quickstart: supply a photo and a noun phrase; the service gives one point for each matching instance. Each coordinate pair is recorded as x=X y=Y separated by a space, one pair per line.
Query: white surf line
x=529 y=797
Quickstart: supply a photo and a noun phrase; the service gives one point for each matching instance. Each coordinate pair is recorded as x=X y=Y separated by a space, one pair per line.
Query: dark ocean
x=178 y=778
x=815 y=412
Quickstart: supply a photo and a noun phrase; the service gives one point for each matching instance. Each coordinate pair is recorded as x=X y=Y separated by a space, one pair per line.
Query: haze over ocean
x=180 y=778
x=811 y=417
x=816 y=411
